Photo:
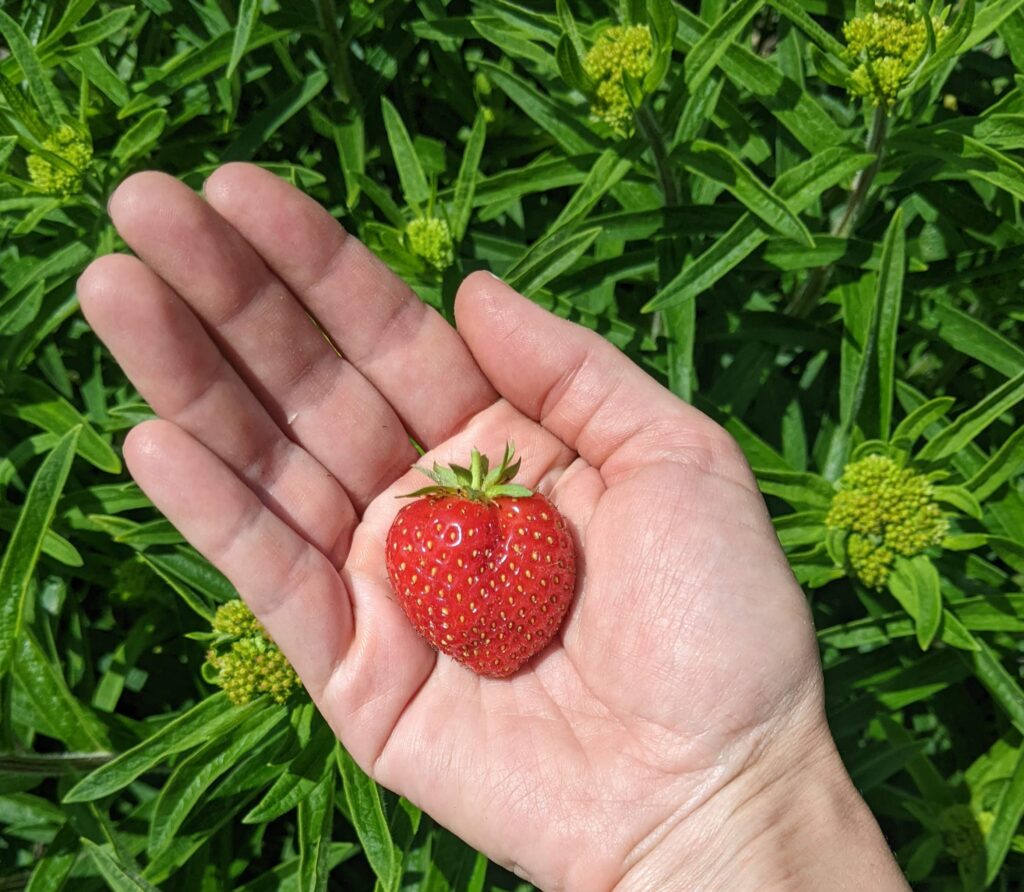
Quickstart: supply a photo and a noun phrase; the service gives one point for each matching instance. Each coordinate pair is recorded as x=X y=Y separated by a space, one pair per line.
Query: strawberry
x=484 y=568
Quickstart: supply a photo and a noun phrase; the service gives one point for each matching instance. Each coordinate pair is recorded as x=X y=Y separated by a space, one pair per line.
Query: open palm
x=688 y=648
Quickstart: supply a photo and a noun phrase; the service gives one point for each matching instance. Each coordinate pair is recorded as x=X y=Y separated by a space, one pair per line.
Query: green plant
x=804 y=217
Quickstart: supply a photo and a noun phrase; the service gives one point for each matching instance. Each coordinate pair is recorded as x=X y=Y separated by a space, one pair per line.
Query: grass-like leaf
x=407 y=162
x=22 y=551
x=973 y=421
x=705 y=55
x=367 y=816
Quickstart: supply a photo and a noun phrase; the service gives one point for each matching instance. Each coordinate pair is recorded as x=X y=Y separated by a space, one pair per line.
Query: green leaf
x=964 y=157
x=605 y=174
x=992 y=15
x=102 y=28
x=975 y=339
x=828 y=70
x=1007 y=462
x=367 y=817
x=73 y=12
x=316 y=814
x=795 y=12
x=51 y=870
x=181 y=70
x=549 y=258
x=721 y=166
x=248 y=14
x=960 y=498
x=798 y=187
x=794 y=107
x=705 y=55
x=991 y=613
x=298 y=780
x=1006 y=821
x=119 y=877
x=568 y=25
x=99 y=73
x=205 y=721
x=469 y=171
x=47 y=99
x=410 y=169
x=138 y=139
x=956 y=38
x=800 y=489
x=556 y=119
x=183 y=591
x=193 y=777
x=39 y=405
x=264 y=125
x=1003 y=687
x=570 y=66
x=878 y=336
x=973 y=421
x=888 y=301
x=192 y=569
x=46 y=689
x=917 y=421
x=7 y=144
x=22 y=551
x=914 y=583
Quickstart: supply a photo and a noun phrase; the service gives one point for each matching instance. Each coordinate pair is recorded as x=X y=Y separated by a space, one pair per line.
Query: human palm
x=688 y=649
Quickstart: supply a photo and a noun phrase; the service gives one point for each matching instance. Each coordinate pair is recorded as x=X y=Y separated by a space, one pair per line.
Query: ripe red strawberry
x=485 y=569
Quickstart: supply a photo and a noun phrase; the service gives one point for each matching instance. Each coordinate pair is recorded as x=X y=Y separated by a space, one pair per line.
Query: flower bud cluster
x=619 y=51
x=246 y=661
x=888 y=511
x=431 y=240
x=885 y=45
x=70 y=145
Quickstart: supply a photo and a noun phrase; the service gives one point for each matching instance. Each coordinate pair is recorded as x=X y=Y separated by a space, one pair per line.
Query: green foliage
x=802 y=216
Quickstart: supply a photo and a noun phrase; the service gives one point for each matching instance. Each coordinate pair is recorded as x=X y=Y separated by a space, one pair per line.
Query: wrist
x=790 y=821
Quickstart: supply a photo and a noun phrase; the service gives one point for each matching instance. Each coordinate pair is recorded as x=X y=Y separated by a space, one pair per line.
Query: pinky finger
x=291 y=587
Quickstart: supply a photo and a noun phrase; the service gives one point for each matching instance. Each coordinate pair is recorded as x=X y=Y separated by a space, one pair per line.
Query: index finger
x=414 y=358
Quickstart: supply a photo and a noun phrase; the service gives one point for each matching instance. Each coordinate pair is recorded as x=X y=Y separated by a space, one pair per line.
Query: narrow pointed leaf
x=26 y=542
x=407 y=162
x=718 y=164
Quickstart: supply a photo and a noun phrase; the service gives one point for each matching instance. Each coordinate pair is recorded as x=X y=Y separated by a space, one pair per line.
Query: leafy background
x=710 y=243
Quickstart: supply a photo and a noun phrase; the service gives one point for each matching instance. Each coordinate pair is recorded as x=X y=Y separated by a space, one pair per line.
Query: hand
x=672 y=736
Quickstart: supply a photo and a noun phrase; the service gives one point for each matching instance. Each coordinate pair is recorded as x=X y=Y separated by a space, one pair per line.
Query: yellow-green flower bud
x=73 y=147
x=884 y=46
x=619 y=51
x=961 y=831
x=887 y=511
x=431 y=240
x=234 y=618
x=250 y=664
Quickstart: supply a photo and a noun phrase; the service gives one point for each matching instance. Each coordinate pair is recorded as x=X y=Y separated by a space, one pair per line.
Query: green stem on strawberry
x=478 y=482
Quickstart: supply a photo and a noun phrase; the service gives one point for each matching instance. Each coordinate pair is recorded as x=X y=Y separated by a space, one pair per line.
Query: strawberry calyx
x=478 y=483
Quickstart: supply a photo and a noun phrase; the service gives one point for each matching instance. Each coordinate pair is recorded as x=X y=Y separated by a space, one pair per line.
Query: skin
x=671 y=737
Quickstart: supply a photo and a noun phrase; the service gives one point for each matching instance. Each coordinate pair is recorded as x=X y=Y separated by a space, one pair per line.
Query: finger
x=403 y=346
x=180 y=372
x=289 y=585
x=321 y=400
x=581 y=388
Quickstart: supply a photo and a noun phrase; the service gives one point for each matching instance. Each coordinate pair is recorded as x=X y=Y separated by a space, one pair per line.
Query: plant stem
x=678 y=322
x=652 y=133
x=807 y=297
